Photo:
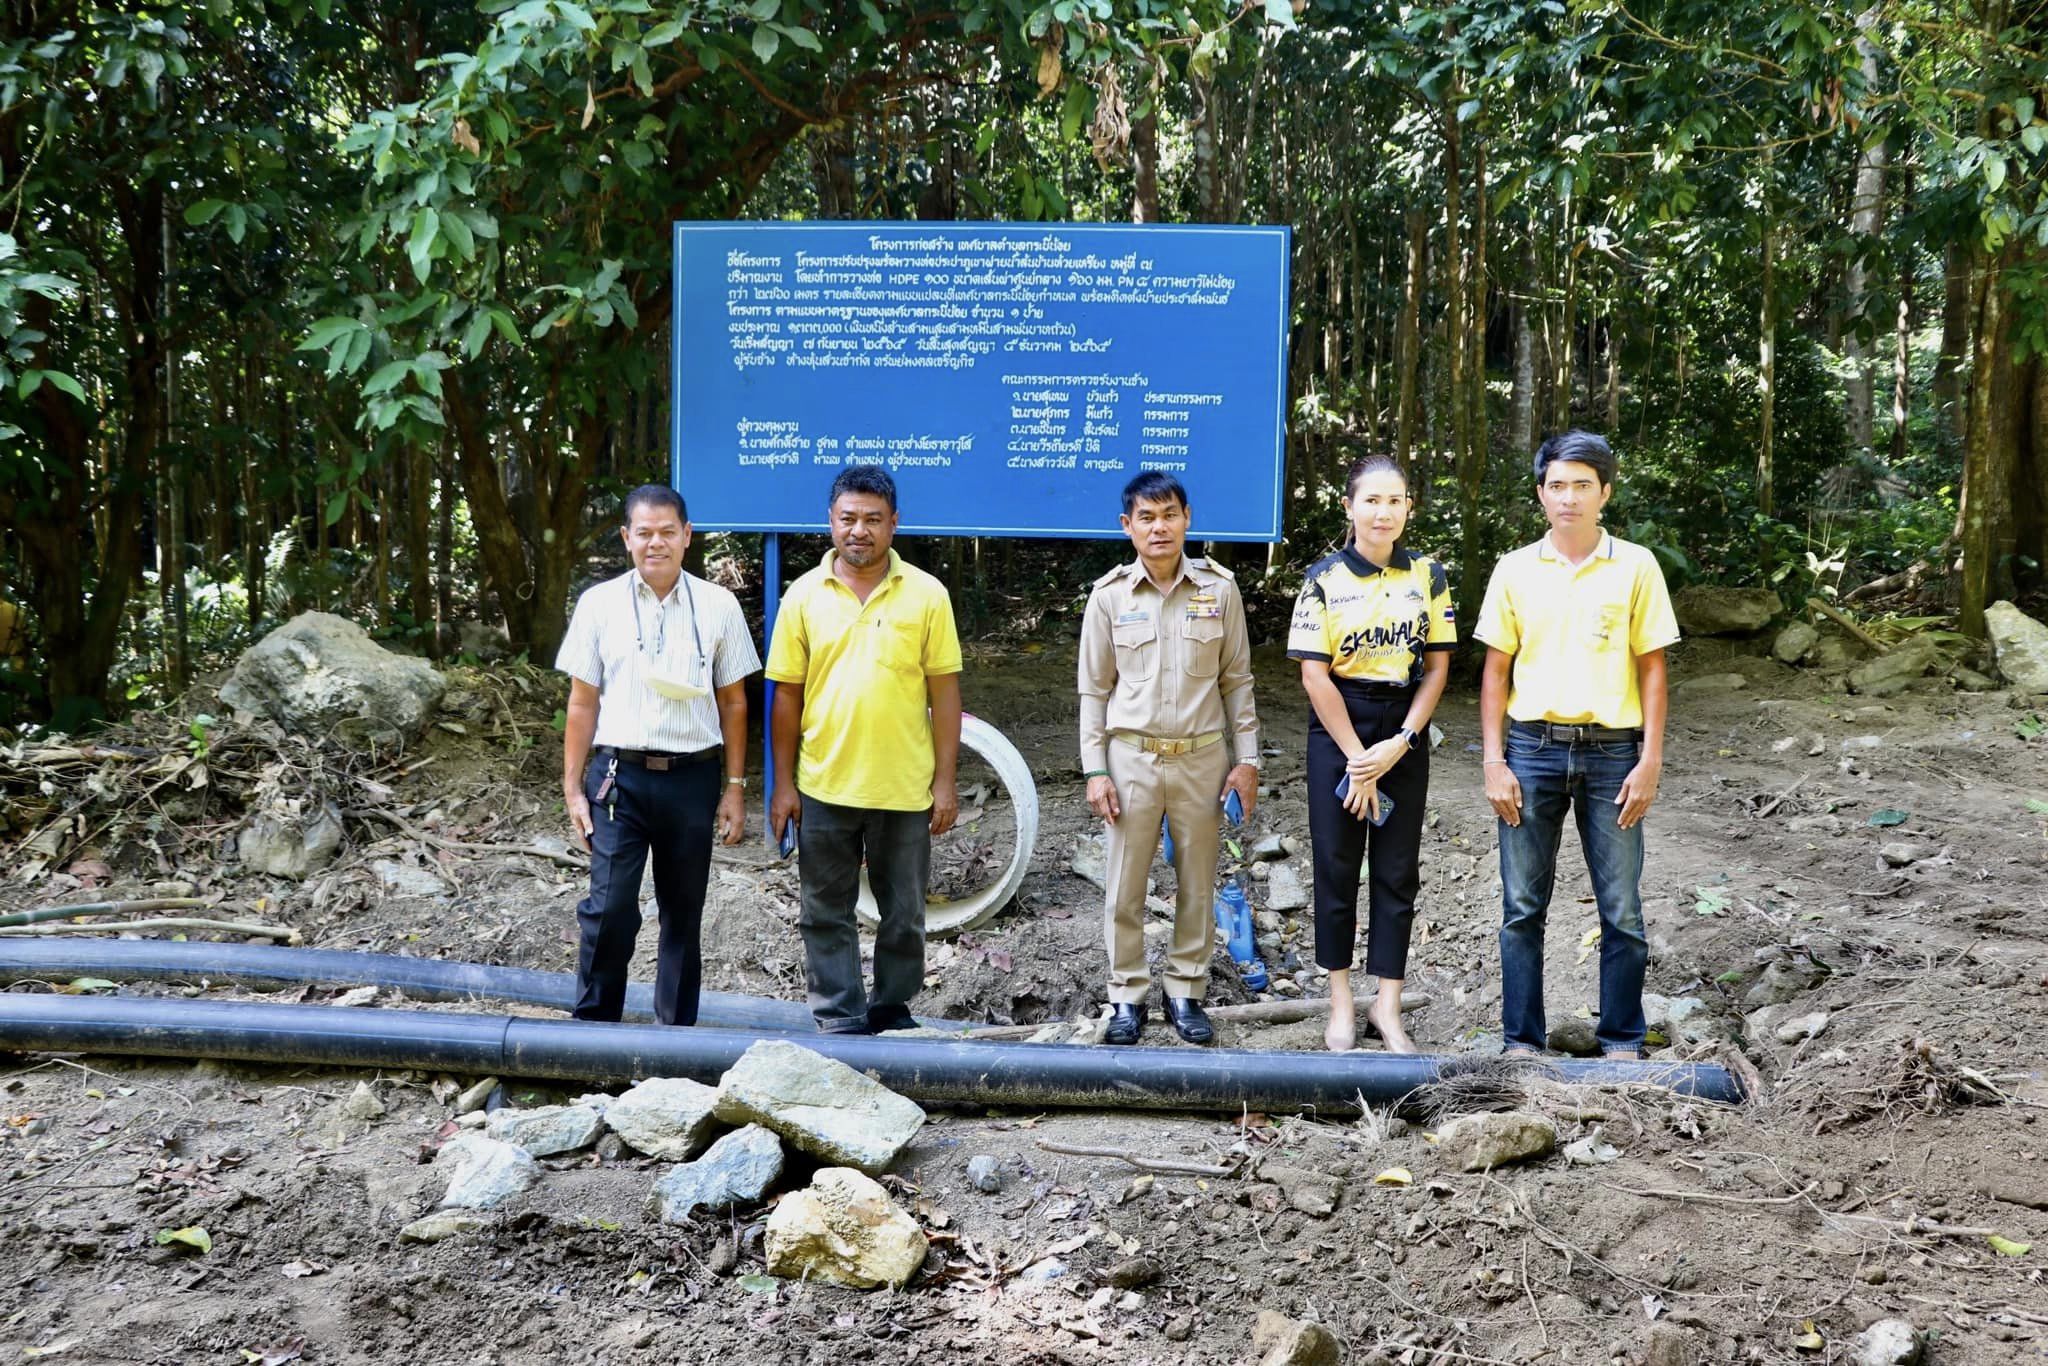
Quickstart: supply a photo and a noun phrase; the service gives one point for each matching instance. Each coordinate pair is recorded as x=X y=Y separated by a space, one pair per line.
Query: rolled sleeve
x=1235 y=679
x=579 y=656
x=1095 y=678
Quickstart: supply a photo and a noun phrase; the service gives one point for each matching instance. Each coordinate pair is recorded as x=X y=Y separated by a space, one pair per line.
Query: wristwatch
x=1410 y=736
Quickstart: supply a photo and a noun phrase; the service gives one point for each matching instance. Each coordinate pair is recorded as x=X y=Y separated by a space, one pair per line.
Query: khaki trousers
x=1184 y=789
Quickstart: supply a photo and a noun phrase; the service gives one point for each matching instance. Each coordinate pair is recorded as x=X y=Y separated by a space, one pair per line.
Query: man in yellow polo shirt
x=864 y=644
x=1571 y=718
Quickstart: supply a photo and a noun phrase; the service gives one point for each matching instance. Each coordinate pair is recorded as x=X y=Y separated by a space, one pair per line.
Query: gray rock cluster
x=318 y=673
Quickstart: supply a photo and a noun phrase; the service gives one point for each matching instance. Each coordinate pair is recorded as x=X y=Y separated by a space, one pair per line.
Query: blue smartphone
x=788 y=845
x=1386 y=802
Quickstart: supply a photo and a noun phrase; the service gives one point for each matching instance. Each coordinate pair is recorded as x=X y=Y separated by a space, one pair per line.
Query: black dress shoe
x=1190 y=1021
x=1126 y=1023
x=884 y=1018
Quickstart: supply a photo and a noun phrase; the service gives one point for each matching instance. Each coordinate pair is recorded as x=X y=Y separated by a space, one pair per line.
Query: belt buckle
x=658 y=763
x=1173 y=747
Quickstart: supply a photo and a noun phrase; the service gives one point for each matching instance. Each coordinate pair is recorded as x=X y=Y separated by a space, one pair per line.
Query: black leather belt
x=1375 y=691
x=1576 y=735
x=661 y=761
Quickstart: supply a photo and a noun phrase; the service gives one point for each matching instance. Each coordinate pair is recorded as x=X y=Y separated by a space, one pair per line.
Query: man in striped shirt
x=657 y=662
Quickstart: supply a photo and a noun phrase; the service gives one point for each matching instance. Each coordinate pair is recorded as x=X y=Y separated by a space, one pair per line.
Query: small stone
x=1668 y=1346
x=1267 y=848
x=1044 y=1271
x=738 y=1169
x=362 y=1104
x=1874 y=1275
x=485 y=1172
x=723 y=1257
x=1819 y=824
x=475 y=1119
x=818 y=1104
x=1180 y=1328
x=1713 y=684
x=1574 y=1036
x=985 y=1173
x=1133 y=1273
x=843 y=1229
x=1478 y=1142
x=1888 y=1342
x=1902 y=853
x=665 y=1117
x=1794 y=643
x=611 y=1148
x=1800 y=1028
x=442 y=1224
x=1281 y=1341
x=1310 y=1192
x=475 y=1096
x=1969 y=680
x=173 y=889
x=548 y=1130
x=1284 y=889
x=404 y=879
x=290 y=837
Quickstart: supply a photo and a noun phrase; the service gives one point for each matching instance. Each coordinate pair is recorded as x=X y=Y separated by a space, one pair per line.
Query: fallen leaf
x=2037 y=806
x=1141 y=1185
x=1652 y=1307
x=1809 y=1339
x=82 y=986
x=359 y=996
x=193 y=1237
x=1395 y=1176
x=1890 y=815
x=1066 y=1245
x=1589 y=942
x=51 y=1350
x=290 y=1350
x=2006 y=1247
x=1710 y=902
x=757 y=1284
x=301 y=1269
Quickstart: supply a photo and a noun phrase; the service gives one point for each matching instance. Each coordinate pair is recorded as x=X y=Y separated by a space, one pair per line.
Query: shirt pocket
x=1202 y=646
x=1607 y=627
x=902 y=647
x=1137 y=651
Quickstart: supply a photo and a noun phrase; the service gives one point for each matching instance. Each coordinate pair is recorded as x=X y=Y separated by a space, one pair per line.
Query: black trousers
x=669 y=815
x=1341 y=841
x=832 y=843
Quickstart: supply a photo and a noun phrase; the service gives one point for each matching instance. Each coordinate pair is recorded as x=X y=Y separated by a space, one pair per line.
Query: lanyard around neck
x=661 y=620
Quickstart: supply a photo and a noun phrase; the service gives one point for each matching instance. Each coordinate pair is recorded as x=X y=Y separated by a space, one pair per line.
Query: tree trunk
x=1767 y=371
x=419 y=579
x=1478 y=295
x=1408 y=340
x=1956 y=310
x=1145 y=165
x=1522 y=404
x=1613 y=372
x=1565 y=358
x=1866 y=216
x=444 y=549
x=1902 y=356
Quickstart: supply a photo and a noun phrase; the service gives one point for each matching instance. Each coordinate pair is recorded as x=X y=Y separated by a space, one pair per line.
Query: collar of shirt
x=641 y=585
x=1140 y=576
x=1365 y=568
x=832 y=555
x=1546 y=550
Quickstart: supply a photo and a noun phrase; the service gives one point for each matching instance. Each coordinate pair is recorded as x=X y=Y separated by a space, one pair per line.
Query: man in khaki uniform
x=1166 y=706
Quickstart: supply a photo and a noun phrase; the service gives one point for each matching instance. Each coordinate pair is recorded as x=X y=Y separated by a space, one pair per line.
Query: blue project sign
x=1013 y=377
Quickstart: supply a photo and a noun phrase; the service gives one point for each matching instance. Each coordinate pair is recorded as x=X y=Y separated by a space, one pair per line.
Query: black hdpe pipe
x=930 y=1070
x=424 y=979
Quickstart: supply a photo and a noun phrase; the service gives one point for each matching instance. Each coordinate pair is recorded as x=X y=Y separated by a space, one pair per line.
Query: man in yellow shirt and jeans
x=1571 y=717
x=864 y=644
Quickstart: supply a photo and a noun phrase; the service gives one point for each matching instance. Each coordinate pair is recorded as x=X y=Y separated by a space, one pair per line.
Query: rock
x=819 y=1104
x=475 y=1119
x=1705 y=684
x=1310 y=1192
x=737 y=1169
x=1794 y=643
x=843 y=1229
x=362 y=1104
x=1266 y=848
x=2019 y=644
x=665 y=1117
x=1890 y=673
x=1133 y=1273
x=173 y=889
x=1969 y=680
x=1044 y=1271
x=1782 y=981
x=1477 y=1142
x=1179 y=1328
x=984 y=1173
x=1574 y=1036
x=1669 y=1345
x=1836 y=653
x=1888 y=1342
x=318 y=673
x=1284 y=890
x=484 y=1172
x=1902 y=853
x=474 y=1098
x=1821 y=823
x=548 y=1130
x=290 y=838
x=1280 y=1341
x=1708 y=610
x=1590 y=1151
x=1800 y=1028
x=404 y=879
x=443 y=1224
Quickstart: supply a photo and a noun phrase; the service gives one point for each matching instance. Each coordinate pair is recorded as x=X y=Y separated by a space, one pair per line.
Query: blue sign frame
x=1014 y=375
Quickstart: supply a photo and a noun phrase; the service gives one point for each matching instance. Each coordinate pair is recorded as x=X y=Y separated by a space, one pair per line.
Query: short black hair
x=864 y=479
x=1153 y=486
x=1587 y=448
x=655 y=496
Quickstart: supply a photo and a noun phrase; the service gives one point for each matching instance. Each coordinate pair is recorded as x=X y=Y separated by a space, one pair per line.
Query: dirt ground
x=1865 y=1183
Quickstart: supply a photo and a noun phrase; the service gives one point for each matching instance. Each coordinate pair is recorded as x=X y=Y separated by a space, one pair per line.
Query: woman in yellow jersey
x=1373 y=629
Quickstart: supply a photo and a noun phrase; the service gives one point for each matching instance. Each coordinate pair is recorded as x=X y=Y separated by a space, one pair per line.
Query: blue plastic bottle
x=1234 y=918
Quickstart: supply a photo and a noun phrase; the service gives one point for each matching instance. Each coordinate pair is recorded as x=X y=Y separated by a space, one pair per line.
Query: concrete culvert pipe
x=943 y=916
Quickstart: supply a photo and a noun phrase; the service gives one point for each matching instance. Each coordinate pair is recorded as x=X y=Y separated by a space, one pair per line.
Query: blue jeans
x=1584 y=777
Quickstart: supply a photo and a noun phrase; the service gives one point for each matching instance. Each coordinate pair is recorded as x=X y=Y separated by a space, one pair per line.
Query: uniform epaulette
x=1112 y=575
x=1205 y=563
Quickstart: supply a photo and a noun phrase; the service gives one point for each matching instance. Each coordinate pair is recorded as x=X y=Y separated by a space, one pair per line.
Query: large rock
x=318 y=672
x=1281 y=1341
x=665 y=1117
x=843 y=1229
x=1707 y=610
x=1889 y=673
x=548 y=1130
x=819 y=1104
x=737 y=1168
x=1479 y=1142
x=484 y=1173
x=291 y=838
x=2020 y=645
